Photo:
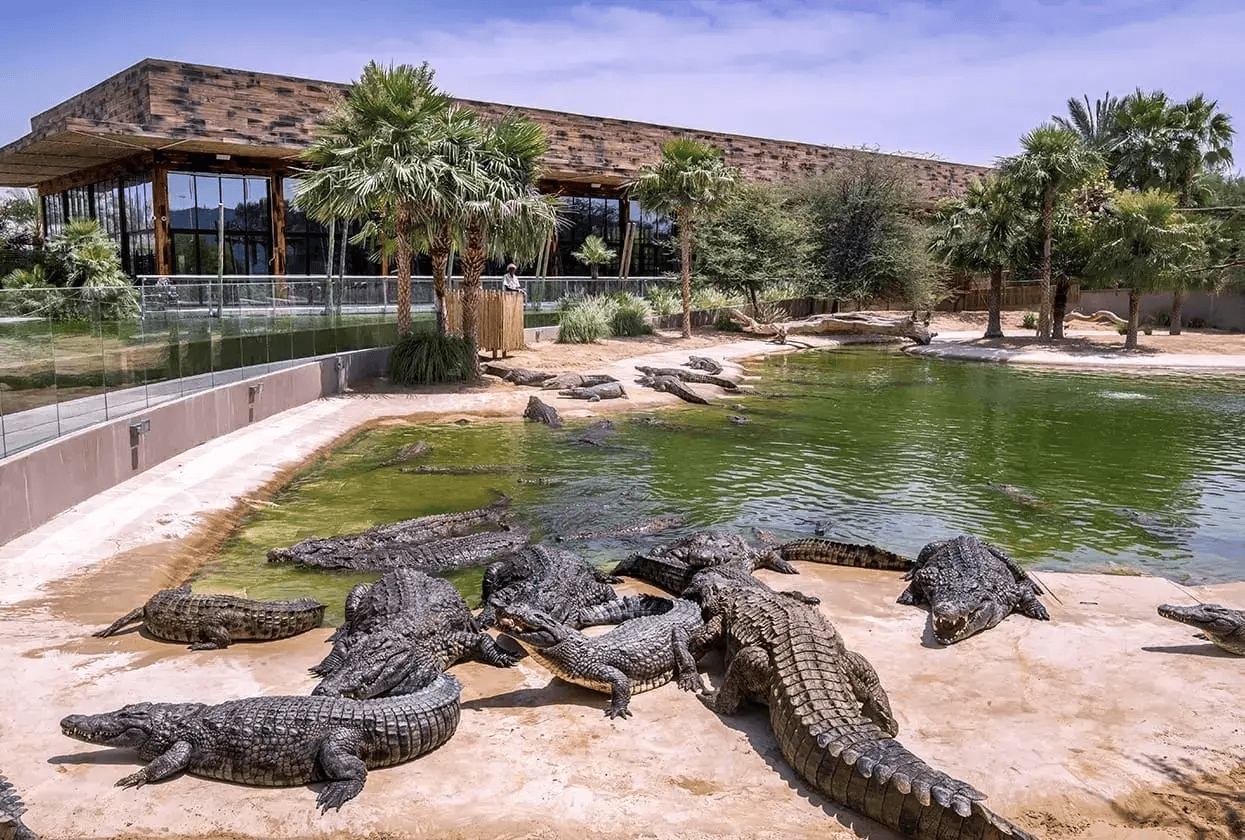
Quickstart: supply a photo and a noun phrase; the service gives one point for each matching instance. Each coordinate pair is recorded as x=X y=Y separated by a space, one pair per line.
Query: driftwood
x=1101 y=316
x=846 y=323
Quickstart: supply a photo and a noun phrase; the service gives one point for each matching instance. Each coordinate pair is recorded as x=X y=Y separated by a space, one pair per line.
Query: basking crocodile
x=557 y=582
x=832 y=718
x=673 y=566
x=541 y=412
x=646 y=650
x=1224 y=627
x=834 y=553
x=210 y=622
x=690 y=376
x=595 y=393
x=438 y=555
x=11 y=810
x=278 y=741
x=400 y=633
x=576 y=380
x=673 y=385
x=704 y=363
x=970 y=586
x=519 y=376
x=338 y=552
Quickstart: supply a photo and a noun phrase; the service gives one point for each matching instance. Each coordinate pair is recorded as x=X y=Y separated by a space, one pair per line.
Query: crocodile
x=278 y=741
x=646 y=650
x=209 y=622
x=704 y=363
x=340 y=550
x=438 y=555
x=595 y=393
x=672 y=566
x=970 y=586
x=832 y=718
x=860 y=555
x=11 y=810
x=1222 y=626
x=399 y=634
x=519 y=376
x=673 y=385
x=557 y=582
x=410 y=452
x=576 y=380
x=690 y=376
x=541 y=412
x=463 y=469
x=595 y=434
x=635 y=529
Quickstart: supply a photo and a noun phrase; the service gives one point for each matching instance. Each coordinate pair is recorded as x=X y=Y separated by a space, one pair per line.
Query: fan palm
x=691 y=178
x=1095 y=124
x=984 y=231
x=1054 y=159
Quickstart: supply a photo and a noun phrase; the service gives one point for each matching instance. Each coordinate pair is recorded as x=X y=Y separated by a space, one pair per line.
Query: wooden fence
x=501 y=319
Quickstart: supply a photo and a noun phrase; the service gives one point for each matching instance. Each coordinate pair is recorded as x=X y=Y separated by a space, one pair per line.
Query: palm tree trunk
x=1048 y=220
x=994 y=326
x=473 y=267
x=1134 y=311
x=1059 y=308
x=439 y=252
x=1177 y=304
x=402 y=234
x=685 y=216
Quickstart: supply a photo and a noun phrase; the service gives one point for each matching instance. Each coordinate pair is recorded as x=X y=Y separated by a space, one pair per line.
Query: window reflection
x=195 y=200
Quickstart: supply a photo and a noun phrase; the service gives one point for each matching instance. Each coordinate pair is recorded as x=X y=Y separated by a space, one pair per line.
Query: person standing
x=510 y=281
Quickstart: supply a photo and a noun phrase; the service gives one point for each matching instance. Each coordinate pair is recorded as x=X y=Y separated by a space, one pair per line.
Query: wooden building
x=154 y=151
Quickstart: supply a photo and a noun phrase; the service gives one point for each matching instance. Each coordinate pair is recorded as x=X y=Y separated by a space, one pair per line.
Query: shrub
x=665 y=300
x=629 y=321
x=585 y=320
x=710 y=298
x=1122 y=329
x=27 y=292
x=1030 y=321
x=780 y=290
x=425 y=358
x=725 y=324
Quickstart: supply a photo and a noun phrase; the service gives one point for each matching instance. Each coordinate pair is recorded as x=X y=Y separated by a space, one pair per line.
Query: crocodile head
x=146 y=727
x=956 y=620
x=530 y=627
x=1223 y=626
x=372 y=669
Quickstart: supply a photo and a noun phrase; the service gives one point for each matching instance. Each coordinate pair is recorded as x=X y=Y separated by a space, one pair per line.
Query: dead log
x=844 y=323
x=1102 y=316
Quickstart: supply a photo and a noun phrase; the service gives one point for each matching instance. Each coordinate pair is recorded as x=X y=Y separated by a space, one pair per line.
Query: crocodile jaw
x=954 y=623
x=109 y=728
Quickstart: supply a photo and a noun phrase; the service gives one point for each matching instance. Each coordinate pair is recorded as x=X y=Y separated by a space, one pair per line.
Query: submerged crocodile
x=278 y=741
x=11 y=810
x=646 y=650
x=209 y=622
x=1223 y=627
x=831 y=717
x=557 y=582
x=437 y=555
x=400 y=633
x=970 y=586
x=635 y=529
x=338 y=552
x=861 y=555
x=539 y=411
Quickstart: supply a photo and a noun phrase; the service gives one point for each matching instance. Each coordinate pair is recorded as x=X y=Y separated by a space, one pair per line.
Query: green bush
x=1030 y=321
x=585 y=320
x=426 y=358
x=628 y=321
x=725 y=324
x=665 y=300
x=711 y=298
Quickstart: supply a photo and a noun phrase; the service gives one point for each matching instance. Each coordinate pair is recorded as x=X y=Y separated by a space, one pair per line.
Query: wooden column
x=163 y=244
x=278 y=224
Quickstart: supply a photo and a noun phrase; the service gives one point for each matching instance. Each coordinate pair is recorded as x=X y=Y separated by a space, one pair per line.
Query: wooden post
x=624 y=261
x=278 y=230
x=163 y=244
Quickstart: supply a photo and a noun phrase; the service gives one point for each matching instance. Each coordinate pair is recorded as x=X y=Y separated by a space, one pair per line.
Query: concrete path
x=959 y=345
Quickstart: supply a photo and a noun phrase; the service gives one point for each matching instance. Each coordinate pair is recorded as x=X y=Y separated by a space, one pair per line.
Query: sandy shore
x=1106 y=722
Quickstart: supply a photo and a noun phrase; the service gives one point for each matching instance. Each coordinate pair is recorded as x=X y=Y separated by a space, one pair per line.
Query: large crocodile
x=437 y=555
x=400 y=633
x=595 y=393
x=672 y=566
x=554 y=581
x=970 y=586
x=539 y=411
x=11 y=810
x=337 y=552
x=646 y=650
x=861 y=555
x=832 y=718
x=690 y=376
x=278 y=741
x=673 y=385
x=1223 y=627
x=209 y=622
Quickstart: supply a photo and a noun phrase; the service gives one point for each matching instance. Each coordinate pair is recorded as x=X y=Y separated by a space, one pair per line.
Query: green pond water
x=1064 y=471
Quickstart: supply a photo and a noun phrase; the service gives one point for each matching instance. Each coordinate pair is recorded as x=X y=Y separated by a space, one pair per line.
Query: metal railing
x=178 y=335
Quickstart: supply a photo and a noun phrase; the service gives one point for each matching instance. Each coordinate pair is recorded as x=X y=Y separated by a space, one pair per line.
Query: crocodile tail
x=132 y=617
x=622 y=609
x=863 y=556
x=881 y=779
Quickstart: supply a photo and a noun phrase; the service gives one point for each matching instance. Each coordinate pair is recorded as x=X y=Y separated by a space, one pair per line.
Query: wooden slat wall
x=501 y=319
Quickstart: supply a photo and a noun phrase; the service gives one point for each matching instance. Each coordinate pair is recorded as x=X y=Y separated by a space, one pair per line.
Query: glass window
x=248 y=242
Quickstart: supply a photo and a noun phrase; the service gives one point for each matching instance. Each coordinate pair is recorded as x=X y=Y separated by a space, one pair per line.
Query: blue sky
x=959 y=80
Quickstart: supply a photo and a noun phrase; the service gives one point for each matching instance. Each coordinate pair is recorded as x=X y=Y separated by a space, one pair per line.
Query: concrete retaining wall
x=39 y=483
x=1223 y=312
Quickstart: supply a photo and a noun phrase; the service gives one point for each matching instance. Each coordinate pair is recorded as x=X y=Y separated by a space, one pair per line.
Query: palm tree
x=509 y=217
x=594 y=252
x=1138 y=157
x=691 y=178
x=1054 y=159
x=1096 y=125
x=984 y=231
x=1143 y=244
x=384 y=151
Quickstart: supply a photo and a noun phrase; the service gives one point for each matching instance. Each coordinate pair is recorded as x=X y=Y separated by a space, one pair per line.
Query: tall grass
x=426 y=358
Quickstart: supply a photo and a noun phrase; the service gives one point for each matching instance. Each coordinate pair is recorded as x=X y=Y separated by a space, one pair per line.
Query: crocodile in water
x=435 y=556
x=1223 y=626
x=278 y=741
x=646 y=650
x=209 y=622
x=970 y=586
